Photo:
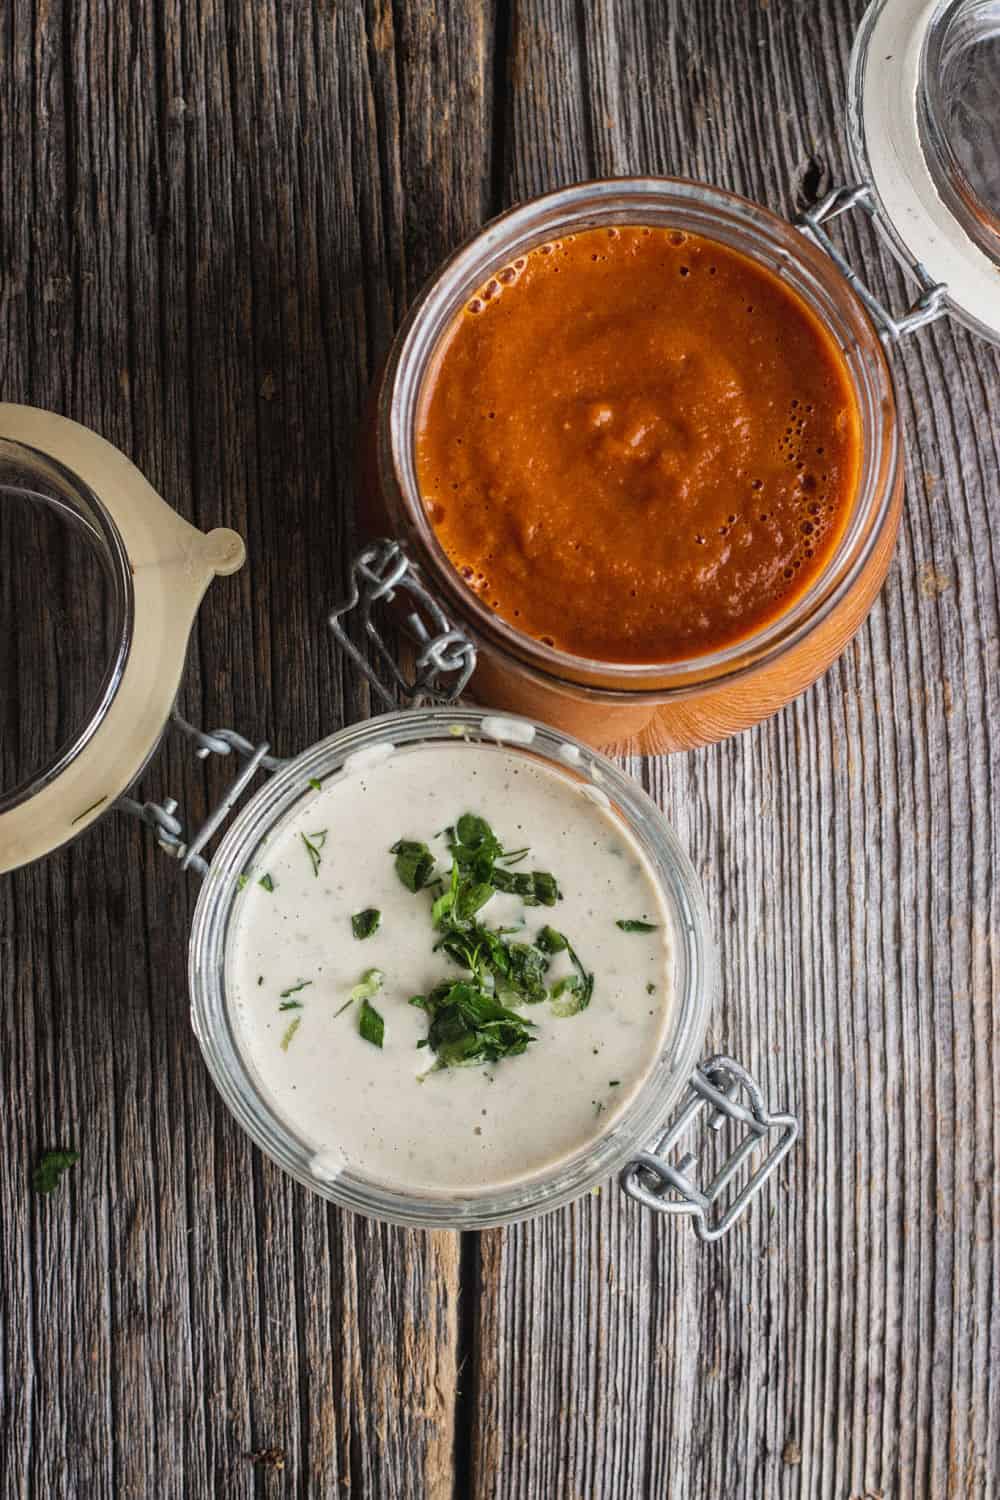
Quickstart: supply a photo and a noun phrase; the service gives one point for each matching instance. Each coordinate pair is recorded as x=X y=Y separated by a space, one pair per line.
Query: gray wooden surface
x=212 y=213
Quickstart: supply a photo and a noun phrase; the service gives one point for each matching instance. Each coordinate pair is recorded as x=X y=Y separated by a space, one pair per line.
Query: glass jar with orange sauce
x=632 y=700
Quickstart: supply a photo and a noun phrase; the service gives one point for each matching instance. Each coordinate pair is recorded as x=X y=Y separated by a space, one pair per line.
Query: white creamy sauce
x=364 y=1108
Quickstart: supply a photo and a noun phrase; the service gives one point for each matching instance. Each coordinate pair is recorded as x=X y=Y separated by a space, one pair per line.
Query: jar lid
x=99 y=591
x=924 y=129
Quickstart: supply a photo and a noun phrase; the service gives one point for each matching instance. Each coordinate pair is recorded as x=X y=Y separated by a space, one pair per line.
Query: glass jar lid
x=924 y=130
x=100 y=588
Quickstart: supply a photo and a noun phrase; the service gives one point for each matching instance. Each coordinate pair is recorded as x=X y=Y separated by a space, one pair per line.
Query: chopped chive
x=292 y=1029
x=629 y=924
x=314 y=843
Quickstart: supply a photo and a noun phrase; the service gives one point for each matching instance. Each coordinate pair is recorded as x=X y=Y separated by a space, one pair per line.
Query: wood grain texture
x=212 y=213
x=198 y=203
x=845 y=1342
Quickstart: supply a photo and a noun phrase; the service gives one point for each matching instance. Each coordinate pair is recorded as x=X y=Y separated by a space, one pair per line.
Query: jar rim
x=632 y=199
x=925 y=208
x=229 y=1065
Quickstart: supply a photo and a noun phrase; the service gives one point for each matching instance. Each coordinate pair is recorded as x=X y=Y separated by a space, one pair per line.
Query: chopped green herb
x=567 y=996
x=651 y=988
x=365 y=923
x=292 y=1029
x=371 y=1024
x=260 y=979
x=473 y=831
x=371 y=982
x=414 y=863
x=317 y=786
x=469 y=1026
x=303 y=984
x=51 y=1166
x=314 y=843
x=242 y=882
x=472 y=1020
x=290 y=1005
x=614 y=1083
x=266 y=883
x=535 y=889
x=586 y=980
x=347 y=1002
x=628 y=924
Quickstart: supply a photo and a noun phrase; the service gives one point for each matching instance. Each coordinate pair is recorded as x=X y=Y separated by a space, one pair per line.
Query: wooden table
x=212 y=214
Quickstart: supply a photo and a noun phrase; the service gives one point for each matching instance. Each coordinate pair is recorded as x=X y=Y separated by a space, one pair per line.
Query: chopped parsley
x=629 y=924
x=266 y=883
x=414 y=863
x=468 y=1026
x=242 y=882
x=314 y=843
x=317 y=786
x=290 y=1005
x=651 y=988
x=303 y=984
x=472 y=1019
x=371 y=1024
x=551 y=941
x=51 y=1166
x=372 y=981
x=365 y=923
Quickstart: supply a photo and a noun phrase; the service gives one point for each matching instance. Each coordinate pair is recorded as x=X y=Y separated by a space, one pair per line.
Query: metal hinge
x=162 y=816
x=932 y=301
x=380 y=572
x=667 y=1187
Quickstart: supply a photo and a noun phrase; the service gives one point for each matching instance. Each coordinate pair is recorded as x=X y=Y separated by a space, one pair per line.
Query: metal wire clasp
x=162 y=816
x=380 y=572
x=929 y=305
x=666 y=1187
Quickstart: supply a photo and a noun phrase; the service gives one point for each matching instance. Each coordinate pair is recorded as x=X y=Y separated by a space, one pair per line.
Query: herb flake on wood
x=51 y=1165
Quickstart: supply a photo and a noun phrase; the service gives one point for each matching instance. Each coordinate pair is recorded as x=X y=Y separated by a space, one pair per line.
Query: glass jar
x=686 y=703
x=217 y=1029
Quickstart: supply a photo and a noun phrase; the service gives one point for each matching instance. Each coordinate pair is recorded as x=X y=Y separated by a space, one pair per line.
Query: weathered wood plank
x=211 y=216
x=844 y=1342
x=202 y=254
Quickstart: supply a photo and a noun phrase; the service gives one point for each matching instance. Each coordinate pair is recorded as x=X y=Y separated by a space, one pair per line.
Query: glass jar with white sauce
x=924 y=146
x=155 y=568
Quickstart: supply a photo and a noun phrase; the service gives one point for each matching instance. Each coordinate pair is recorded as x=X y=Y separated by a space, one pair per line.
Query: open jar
x=148 y=570
x=927 y=167
x=721 y=1086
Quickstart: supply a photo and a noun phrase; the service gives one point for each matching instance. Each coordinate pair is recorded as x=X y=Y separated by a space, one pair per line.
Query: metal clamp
x=929 y=305
x=667 y=1188
x=380 y=572
x=162 y=816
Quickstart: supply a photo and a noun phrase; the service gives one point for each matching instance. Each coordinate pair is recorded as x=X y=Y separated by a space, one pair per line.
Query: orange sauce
x=637 y=445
